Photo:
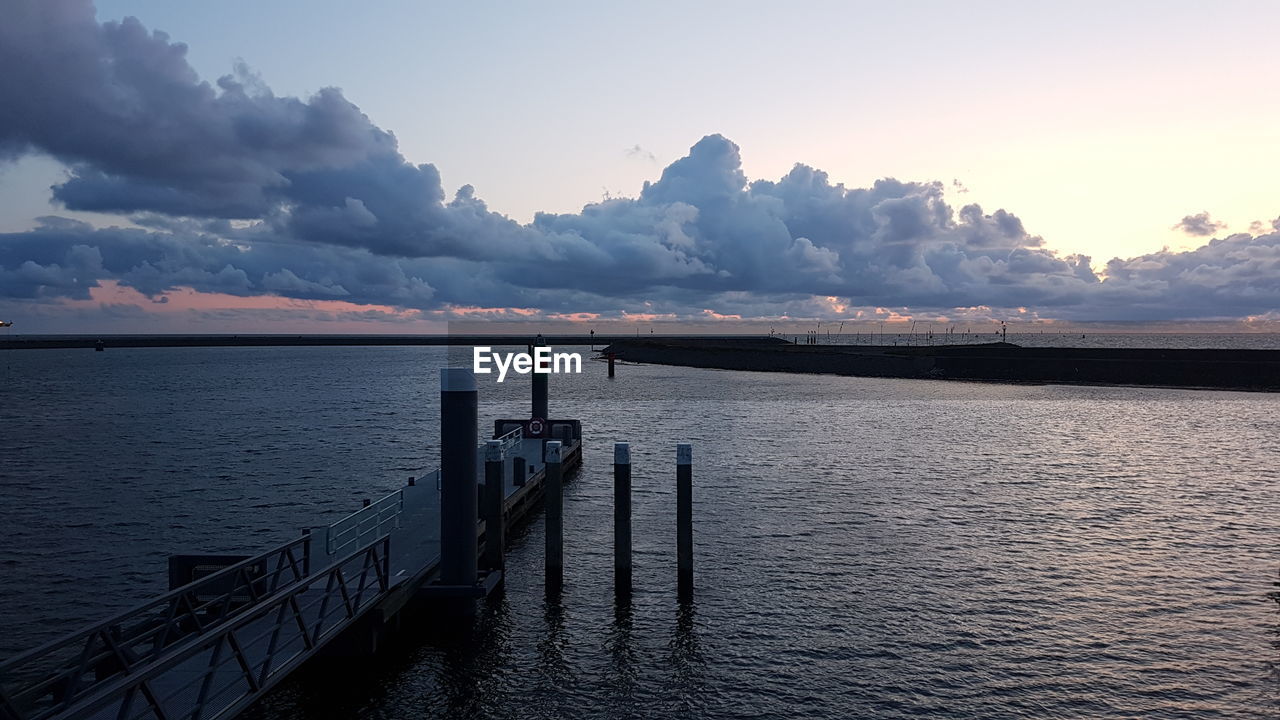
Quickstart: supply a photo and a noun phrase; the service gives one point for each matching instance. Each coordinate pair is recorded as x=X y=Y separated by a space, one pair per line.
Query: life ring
x=537 y=426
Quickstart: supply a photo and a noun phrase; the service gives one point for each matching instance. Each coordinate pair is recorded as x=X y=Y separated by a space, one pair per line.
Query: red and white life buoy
x=537 y=426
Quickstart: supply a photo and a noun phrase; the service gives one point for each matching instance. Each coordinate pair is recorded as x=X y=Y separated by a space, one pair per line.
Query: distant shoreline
x=48 y=342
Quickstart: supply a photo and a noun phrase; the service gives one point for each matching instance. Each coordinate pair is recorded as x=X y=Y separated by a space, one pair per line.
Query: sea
x=864 y=547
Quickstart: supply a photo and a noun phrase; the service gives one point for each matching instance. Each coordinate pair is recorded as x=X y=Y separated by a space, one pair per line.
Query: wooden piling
x=684 y=519
x=494 y=531
x=611 y=359
x=553 y=508
x=458 y=435
x=519 y=475
x=622 y=520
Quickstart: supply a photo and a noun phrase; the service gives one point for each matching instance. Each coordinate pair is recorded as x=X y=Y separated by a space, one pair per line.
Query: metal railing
x=46 y=681
x=218 y=673
x=511 y=440
x=375 y=520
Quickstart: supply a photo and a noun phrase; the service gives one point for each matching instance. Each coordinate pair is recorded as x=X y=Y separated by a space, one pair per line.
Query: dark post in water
x=554 y=508
x=494 y=531
x=684 y=519
x=540 y=384
x=622 y=519
x=611 y=358
x=458 y=434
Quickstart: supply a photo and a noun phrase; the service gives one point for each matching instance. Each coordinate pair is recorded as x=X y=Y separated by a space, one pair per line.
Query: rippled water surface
x=864 y=547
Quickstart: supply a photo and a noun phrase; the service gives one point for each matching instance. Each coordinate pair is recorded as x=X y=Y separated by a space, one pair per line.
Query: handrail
x=62 y=671
x=511 y=439
x=347 y=589
x=373 y=518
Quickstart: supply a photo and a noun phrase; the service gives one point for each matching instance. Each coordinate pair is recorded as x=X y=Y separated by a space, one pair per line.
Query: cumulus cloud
x=237 y=191
x=1235 y=276
x=1199 y=225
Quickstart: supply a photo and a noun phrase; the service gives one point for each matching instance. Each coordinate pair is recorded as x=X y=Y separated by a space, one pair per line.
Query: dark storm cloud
x=325 y=207
x=1199 y=225
x=140 y=132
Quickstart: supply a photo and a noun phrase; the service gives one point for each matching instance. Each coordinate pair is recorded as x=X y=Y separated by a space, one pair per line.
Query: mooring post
x=458 y=435
x=494 y=530
x=553 y=501
x=622 y=519
x=540 y=375
x=518 y=472
x=611 y=358
x=684 y=519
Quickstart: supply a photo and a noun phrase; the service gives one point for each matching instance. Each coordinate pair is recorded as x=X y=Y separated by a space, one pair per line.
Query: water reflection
x=622 y=674
x=470 y=650
x=688 y=680
x=552 y=665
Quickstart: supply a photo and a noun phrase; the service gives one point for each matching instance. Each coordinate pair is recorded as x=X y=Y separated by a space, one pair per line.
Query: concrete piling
x=540 y=375
x=622 y=520
x=494 y=497
x=684 y=519
x=553 y=502
x=458 y=437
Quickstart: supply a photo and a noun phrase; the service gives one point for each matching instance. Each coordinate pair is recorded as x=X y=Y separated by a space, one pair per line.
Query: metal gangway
x=204 y=650
x=208 y=649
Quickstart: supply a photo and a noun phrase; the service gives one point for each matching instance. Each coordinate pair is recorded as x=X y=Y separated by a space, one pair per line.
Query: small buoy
x=537 y=427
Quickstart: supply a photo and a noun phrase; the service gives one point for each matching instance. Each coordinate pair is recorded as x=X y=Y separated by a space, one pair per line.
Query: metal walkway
x=209 y=649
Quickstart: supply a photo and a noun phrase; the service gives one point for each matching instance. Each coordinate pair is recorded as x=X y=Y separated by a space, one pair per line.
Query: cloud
x=1199 y=225
x=237 y=191
x=635 y=151
x=1257 y=227
x=1235 y=276
x=141 y=132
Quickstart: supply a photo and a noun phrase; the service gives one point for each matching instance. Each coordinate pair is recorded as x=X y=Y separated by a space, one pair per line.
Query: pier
x=233 y=628
x=1256 y=370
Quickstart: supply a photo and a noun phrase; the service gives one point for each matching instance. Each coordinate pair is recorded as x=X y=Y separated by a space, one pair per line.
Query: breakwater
x=1001 y=362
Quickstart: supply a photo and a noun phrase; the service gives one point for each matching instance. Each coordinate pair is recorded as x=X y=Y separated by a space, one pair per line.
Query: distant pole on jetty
x=540 y=386
x=622 y=519
x=554 y=509
x=459 y=403
x=684 y=519
x=494 y=534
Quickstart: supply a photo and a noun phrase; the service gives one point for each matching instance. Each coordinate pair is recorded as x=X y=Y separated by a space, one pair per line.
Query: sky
x=316 y=166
